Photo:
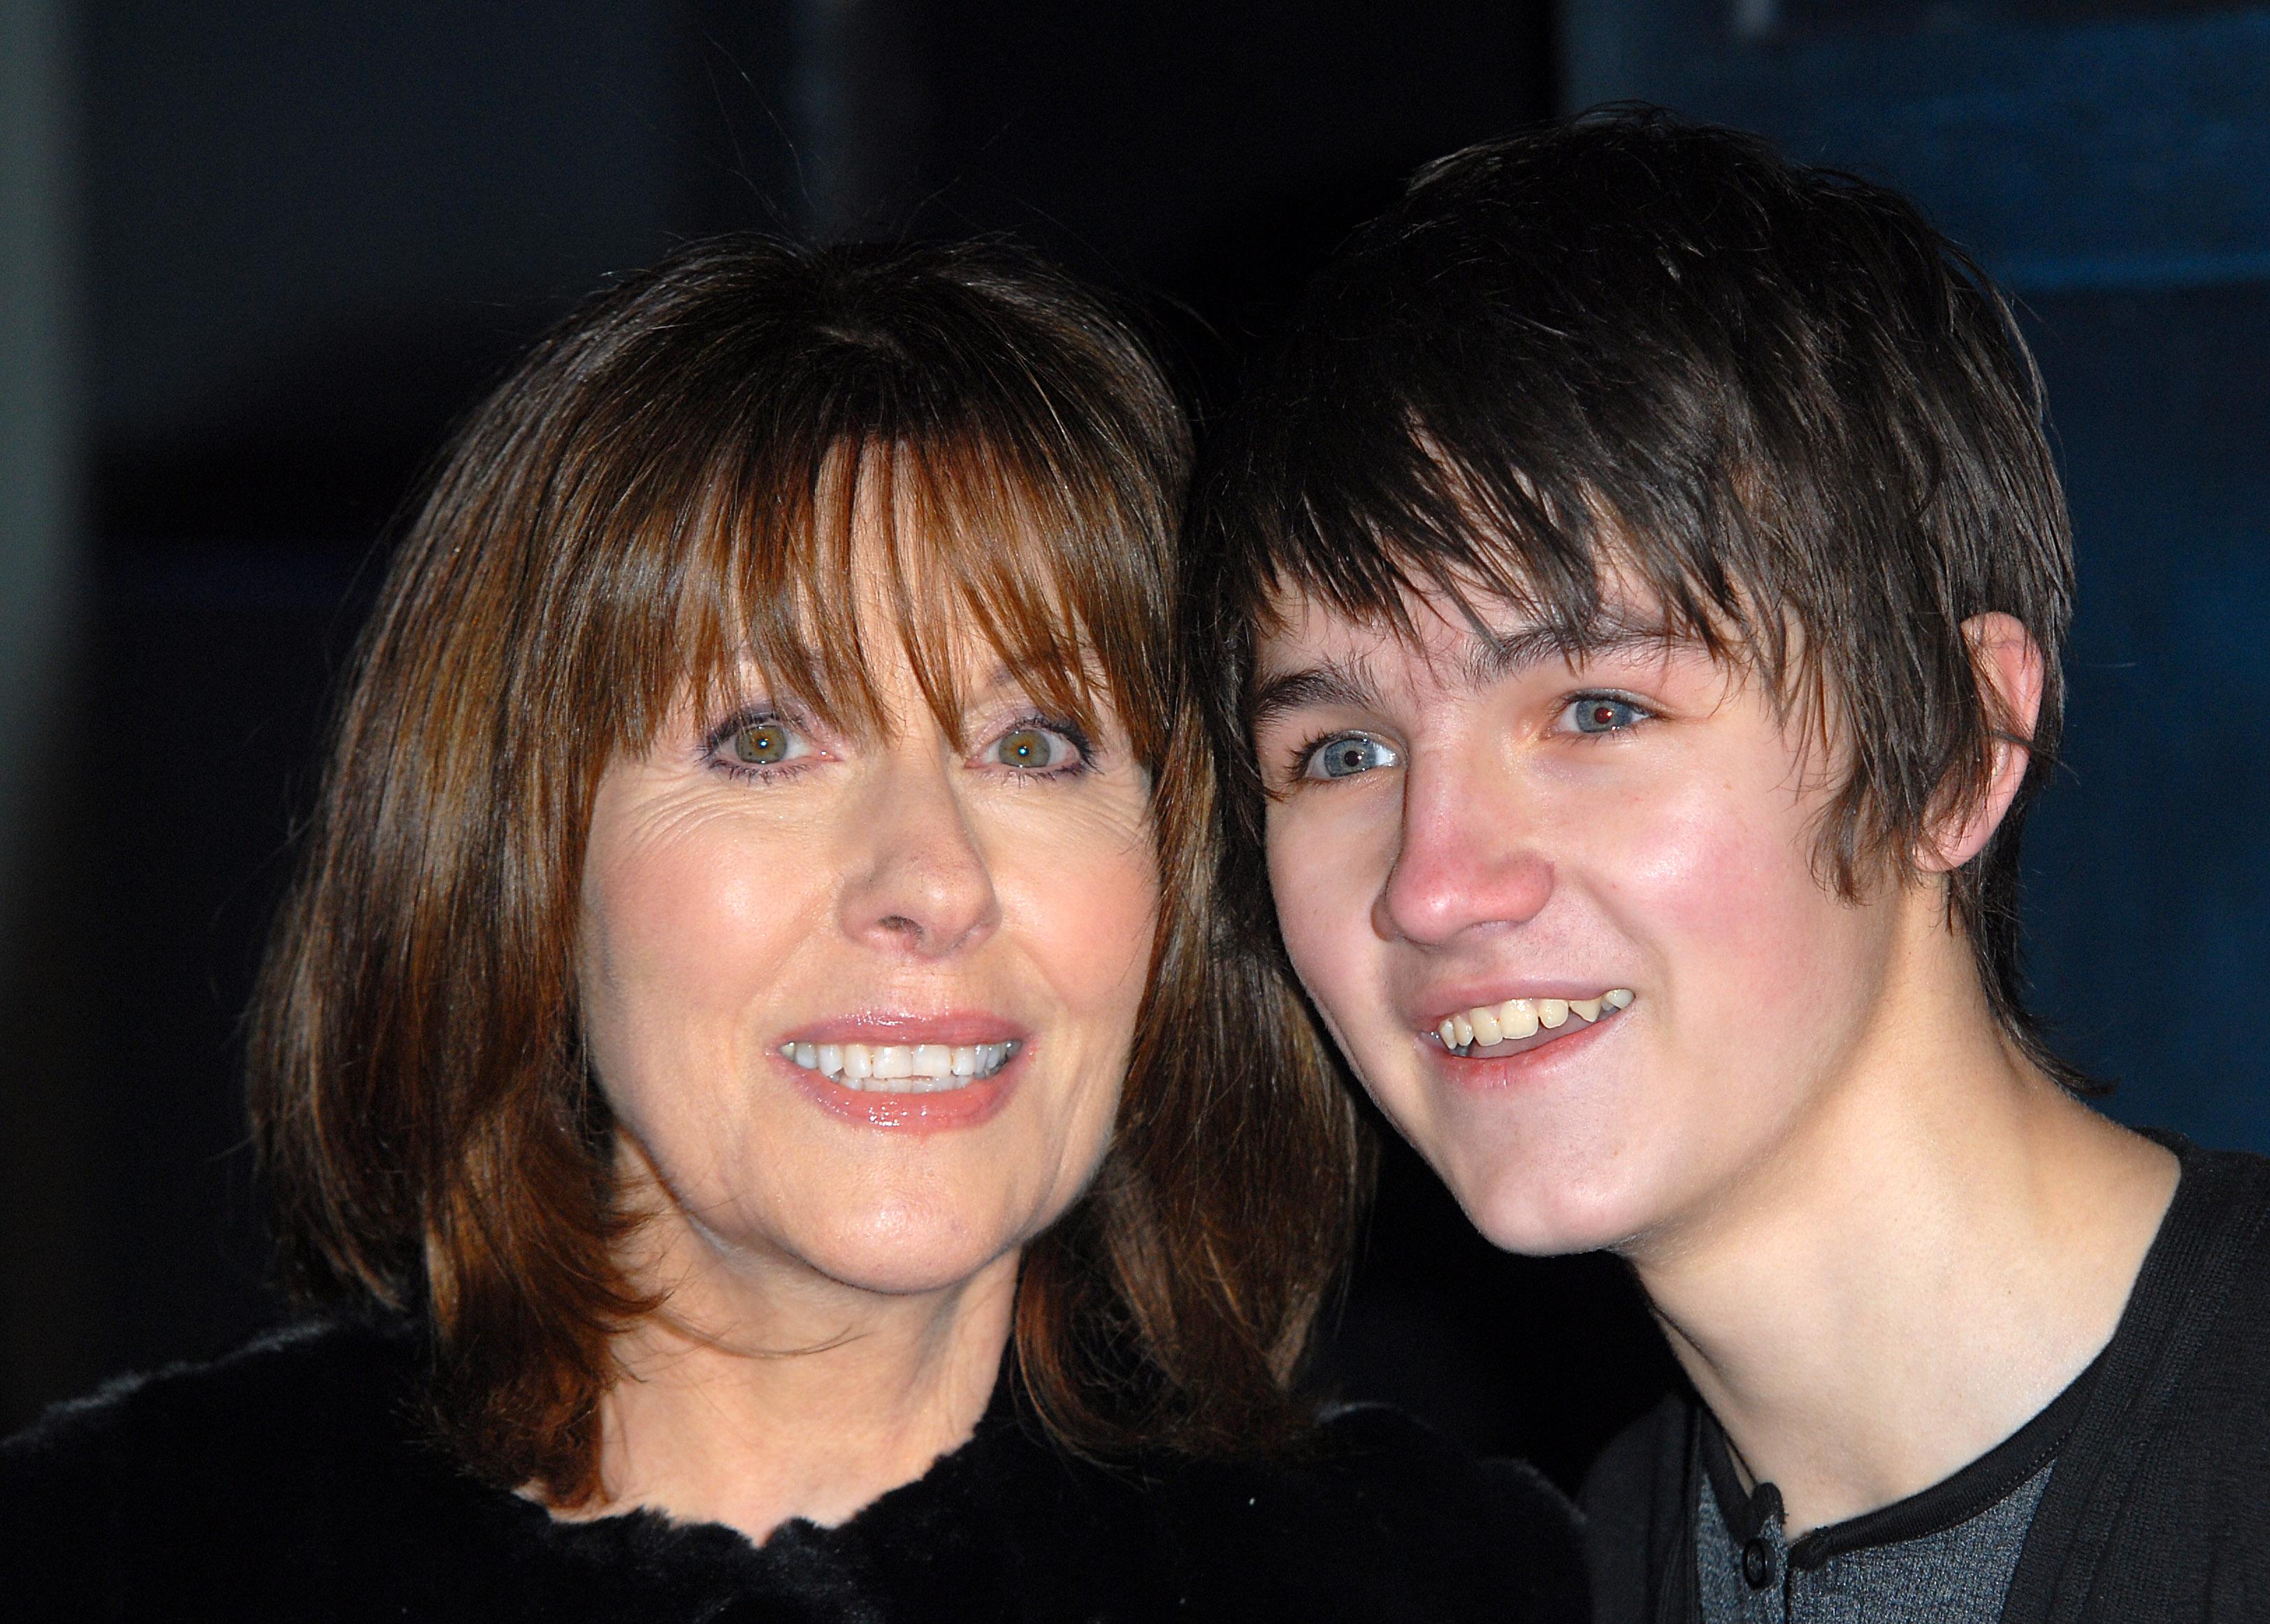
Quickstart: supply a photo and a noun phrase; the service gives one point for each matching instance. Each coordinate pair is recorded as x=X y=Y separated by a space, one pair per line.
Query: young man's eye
x=1603 y=713
x=1347 y=756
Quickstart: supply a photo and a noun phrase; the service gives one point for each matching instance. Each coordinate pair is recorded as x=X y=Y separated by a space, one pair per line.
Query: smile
x=1491 y=1030
x=902 y=1068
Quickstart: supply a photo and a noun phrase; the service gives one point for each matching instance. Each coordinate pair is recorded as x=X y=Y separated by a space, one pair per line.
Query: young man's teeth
x=901 y=1068
x=1521 y=1017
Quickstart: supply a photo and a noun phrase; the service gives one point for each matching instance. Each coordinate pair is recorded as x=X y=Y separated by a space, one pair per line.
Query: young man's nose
x=1467 y=857
x=920 y=881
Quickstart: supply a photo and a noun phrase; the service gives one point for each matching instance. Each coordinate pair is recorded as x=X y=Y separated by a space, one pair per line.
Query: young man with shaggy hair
x=1637 y=588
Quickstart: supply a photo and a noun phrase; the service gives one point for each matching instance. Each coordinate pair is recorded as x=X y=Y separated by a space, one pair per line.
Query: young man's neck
x=1928 y=1258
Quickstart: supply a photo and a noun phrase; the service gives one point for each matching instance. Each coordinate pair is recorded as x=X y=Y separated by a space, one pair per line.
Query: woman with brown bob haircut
x=746 y=1075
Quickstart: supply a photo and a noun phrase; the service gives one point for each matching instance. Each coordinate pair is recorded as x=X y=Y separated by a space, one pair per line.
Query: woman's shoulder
x=1429 y=1528
x=302 y=1371
x=1376 y=1517
x=1391 y=1450
x=293 y=1479
x=271 y=1475
x=244 y=1421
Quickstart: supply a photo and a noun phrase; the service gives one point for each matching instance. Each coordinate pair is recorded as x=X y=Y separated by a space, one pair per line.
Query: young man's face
x=1458 y=822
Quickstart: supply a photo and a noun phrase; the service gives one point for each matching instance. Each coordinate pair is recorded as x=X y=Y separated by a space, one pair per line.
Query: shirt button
x=1757 y=1564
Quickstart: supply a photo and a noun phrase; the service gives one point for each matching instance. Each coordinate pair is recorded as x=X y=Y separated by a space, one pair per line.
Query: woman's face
x=771 y=909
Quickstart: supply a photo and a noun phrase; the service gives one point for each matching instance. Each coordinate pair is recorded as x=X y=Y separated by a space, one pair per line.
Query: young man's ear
x=2008 y=662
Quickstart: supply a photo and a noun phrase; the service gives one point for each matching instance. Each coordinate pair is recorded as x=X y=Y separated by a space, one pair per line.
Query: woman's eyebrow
x=1025 y=680
x=1332 y=682
x=1002 y=679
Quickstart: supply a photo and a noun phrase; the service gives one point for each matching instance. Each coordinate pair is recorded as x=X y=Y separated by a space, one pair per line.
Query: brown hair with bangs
x=660 y=494
x=1628 y=351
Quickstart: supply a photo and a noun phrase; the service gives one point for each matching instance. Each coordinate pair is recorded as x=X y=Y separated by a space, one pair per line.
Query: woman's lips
x=963 y=1102
x=901 y=1068
x=951 y=1028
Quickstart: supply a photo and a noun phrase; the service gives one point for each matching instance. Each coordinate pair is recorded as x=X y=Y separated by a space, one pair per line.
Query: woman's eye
x=768 y=744
x=1347 y=756
x=1598 y=713
x=1031 y=749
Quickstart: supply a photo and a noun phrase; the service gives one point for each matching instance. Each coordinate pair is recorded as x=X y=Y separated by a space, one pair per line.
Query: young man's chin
x=1541 y=1212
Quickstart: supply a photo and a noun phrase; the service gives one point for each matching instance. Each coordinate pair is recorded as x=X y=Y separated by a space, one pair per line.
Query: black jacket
x=287 y=1481
x=2159 y=1505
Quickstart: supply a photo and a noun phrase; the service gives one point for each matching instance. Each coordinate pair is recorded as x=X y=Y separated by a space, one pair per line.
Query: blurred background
x=257 y=256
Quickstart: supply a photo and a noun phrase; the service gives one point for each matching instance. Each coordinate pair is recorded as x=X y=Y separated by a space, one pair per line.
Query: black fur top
x=288 y=1481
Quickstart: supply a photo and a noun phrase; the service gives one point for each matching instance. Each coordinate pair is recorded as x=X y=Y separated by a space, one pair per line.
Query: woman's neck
x=761 y=1393
x=1940 y=1247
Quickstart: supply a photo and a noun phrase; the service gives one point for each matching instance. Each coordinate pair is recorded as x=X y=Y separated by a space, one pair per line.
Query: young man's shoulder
x=2159 y=1505
x=1634 y=1502
x=2195 y=1328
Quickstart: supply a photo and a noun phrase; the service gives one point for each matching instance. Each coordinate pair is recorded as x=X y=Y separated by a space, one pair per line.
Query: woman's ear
x=2008 y=664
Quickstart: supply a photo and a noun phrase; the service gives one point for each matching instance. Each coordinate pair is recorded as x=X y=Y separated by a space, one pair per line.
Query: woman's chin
x=910 y=1268
x=887 y=1253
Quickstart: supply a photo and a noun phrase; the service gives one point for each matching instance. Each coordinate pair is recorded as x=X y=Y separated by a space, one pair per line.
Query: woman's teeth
x=901 y=1068
x=1520 y=1017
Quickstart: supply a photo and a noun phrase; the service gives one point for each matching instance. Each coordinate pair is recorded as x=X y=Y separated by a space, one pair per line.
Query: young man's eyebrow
x=1334 y=682
x=1494 y=659
x=1486 y=660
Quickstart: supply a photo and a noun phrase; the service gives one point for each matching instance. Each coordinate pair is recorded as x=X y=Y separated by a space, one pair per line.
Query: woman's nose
x=920 y=881
x=1469 y=855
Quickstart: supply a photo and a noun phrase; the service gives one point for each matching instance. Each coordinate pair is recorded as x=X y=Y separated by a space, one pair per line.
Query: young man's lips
x=1508 y=1063
x=1509 y=1020
x=1521 y=1025
x=1508 y=1047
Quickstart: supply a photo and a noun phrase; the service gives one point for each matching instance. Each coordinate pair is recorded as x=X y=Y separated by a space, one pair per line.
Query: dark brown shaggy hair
x=1787 y=408
x=658 y=495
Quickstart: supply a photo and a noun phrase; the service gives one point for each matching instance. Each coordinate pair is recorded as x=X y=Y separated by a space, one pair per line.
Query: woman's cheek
x=1105 y=945
x=1087 y=881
